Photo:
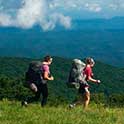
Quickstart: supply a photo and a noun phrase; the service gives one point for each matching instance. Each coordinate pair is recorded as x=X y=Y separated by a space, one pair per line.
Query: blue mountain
x=100 y=38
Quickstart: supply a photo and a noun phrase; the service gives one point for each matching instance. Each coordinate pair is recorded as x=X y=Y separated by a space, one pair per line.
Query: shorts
x=83 y=89
x=33 y=87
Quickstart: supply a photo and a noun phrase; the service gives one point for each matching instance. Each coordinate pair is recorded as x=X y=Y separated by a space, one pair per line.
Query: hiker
x=38 y=81
x=84 y=86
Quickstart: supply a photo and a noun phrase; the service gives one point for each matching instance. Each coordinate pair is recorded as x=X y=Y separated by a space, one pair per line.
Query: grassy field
x=11 y=112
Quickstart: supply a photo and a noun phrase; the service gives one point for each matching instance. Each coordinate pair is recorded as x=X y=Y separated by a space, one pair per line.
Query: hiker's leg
x=35 y=90
x=44 y=92
x=33 y=87
x=86 y=98
x=79 y=98
x=37 y=95
x=81 y=92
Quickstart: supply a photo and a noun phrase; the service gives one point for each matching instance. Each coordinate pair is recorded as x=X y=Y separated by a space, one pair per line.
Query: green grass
x=11 y=112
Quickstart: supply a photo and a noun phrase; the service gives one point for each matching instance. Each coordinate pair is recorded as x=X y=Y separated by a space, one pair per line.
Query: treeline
x=110 y=92
x=13 y=89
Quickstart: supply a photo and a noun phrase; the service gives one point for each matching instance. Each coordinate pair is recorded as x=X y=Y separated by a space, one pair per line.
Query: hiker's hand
x=51 y=78
x=98 y=81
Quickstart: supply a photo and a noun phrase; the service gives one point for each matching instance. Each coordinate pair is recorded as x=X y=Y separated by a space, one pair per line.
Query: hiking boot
x=24 y=103
x=71 y=106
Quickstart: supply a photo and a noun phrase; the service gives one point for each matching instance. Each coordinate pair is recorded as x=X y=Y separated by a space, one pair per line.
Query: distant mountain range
x=101 y=38
x=99 y=24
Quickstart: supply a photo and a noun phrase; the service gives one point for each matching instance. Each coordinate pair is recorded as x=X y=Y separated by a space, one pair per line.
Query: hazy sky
x=48 y=13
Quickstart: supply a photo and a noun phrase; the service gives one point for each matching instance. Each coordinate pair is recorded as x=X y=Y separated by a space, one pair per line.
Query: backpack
x=34 y=73
x=76 y=75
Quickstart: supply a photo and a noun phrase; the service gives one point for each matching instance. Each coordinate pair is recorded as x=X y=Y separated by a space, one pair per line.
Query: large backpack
x=34 y=73
x=76 y=75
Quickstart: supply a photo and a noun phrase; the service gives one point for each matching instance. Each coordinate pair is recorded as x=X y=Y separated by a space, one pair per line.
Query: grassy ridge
x=13 y=113
x=12 y=78
x=57 y=112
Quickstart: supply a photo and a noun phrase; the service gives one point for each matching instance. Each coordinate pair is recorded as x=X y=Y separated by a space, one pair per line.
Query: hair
x=90 y=60
x=47 y=58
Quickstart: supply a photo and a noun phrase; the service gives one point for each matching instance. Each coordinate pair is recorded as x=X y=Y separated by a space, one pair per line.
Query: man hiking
x=37 y=76
x=84 y=86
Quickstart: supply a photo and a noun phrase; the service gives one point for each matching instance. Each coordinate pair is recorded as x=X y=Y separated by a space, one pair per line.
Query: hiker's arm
x=93 y=80
x=46 y=76
x=89 y=76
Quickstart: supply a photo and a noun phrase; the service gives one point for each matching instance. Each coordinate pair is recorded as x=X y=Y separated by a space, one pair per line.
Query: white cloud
x=63 y=20
x=122 y=5
x=1 y=8
x=32 y=12
x=74 y=5
x=48 y=13
x=93 y=7
x=54 y=19
x=54 y=5
x=113 y=6
x=5 y=20
x=35 y=12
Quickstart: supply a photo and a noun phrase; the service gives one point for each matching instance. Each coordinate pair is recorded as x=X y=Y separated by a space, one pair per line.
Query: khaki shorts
x=33 y=87
x=83 y=89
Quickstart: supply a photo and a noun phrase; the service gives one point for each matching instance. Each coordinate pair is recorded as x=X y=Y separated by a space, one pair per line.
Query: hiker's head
x=48 y=59
x=90 y=61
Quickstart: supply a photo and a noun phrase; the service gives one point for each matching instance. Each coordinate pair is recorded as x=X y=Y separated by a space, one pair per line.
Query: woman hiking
x=84 y=87
x=37 y=82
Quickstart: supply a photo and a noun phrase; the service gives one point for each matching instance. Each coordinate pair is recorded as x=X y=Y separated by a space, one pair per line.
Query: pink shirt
x=45 y=68
x=88 y=72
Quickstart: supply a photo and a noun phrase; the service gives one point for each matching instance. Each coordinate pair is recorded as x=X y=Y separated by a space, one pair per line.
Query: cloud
x=59 y=18
x=93 y=7
x=49 y=13
x=113 y=6
x=117 y=5
x=122 y=5
x=53 y=5
x=5 y=20
x=31 y=13
x=35 y=12
x=89 y=5
x=54 y=19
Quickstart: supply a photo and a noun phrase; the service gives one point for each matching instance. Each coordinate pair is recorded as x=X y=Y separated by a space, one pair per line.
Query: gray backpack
x=76 y=76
